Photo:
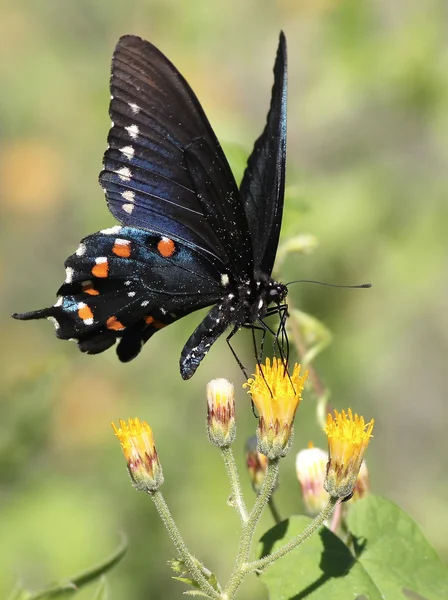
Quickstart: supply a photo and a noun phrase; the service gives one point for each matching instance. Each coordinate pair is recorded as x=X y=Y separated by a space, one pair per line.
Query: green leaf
x=303 y=243
x=179 y=566
x=322 y=568
x=315 y=334
x=19 y=593
x=393 y=560
x=70 y=587
x=394 y=552
x=102 y=591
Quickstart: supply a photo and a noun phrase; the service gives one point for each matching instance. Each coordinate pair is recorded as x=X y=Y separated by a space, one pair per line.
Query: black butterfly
x=188 y=237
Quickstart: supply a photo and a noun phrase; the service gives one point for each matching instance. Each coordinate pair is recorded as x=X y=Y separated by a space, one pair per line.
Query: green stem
x=312 y=528
x=235 y=486
x=191 y=563
x=239 y=570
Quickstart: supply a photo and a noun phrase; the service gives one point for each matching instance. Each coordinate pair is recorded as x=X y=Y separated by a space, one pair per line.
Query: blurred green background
x=367 y=170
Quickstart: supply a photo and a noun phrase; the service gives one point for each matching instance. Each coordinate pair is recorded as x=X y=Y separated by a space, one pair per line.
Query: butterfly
x=188 y=236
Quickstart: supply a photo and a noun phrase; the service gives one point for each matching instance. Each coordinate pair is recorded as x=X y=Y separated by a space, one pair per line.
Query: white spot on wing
x=81 y=250
x=225 y=280
x=121 y=242
x=111 y=230
x=128 y=208
x=128 y=195
x=133 y=131
x=127 y=282
x=69 y=275
x=134 y=107
x=101 y=259
x=124 y=174
x=128 y=151
x=145 y=303
x=131 y=294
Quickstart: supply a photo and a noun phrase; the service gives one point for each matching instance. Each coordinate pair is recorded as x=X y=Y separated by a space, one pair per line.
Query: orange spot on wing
x=89 y=289
x=122 y=249
x=85 y=313
x=154 y=322
x=114 y=323
x=166 y=247
x=101 y=269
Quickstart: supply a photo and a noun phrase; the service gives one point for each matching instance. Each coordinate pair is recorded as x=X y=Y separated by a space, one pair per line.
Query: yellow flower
x=311 y=467
x=138 y=447
x=221 y=425
x=348 y=437
x=276 y=396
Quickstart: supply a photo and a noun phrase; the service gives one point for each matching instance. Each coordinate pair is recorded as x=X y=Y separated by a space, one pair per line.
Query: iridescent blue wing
x=164 y=170
x=263 y=186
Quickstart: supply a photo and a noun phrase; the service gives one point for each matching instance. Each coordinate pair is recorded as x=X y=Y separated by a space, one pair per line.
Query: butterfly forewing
x=263 y=185
x=159 y=131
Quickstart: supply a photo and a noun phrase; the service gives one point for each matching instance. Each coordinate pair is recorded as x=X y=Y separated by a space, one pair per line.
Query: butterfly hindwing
x=128 y=283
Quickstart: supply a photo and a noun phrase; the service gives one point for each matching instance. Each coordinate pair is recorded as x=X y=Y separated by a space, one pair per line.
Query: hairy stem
x=187 y=559
x=235 y=486
x=247 y=536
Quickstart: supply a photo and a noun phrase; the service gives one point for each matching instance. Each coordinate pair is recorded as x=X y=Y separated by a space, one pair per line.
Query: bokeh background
x=367 y=175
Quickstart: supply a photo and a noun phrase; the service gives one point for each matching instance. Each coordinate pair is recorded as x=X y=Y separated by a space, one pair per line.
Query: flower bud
x=311 y=466
x=348 y=438
x=221 y=426
x=256 y=464
x=138 y=447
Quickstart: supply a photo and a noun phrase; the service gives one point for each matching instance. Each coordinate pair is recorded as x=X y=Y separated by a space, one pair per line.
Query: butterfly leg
x=240 y=364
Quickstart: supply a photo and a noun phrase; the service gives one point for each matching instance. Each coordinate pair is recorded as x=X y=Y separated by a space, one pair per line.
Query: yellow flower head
x=276 y=396
x=221 y=425
x=138 y=447
x=348 y=437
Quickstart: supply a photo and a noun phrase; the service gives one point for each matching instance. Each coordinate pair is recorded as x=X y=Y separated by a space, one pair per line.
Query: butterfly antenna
x=335 y=285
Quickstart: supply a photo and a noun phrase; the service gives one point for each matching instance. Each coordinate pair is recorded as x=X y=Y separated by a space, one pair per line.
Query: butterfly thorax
x=249 y=300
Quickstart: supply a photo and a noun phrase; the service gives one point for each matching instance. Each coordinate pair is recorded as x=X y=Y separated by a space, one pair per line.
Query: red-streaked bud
x=348 y=438
x=256 y=463
x=138 y=447
x=311 y=467
x=221 y=426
